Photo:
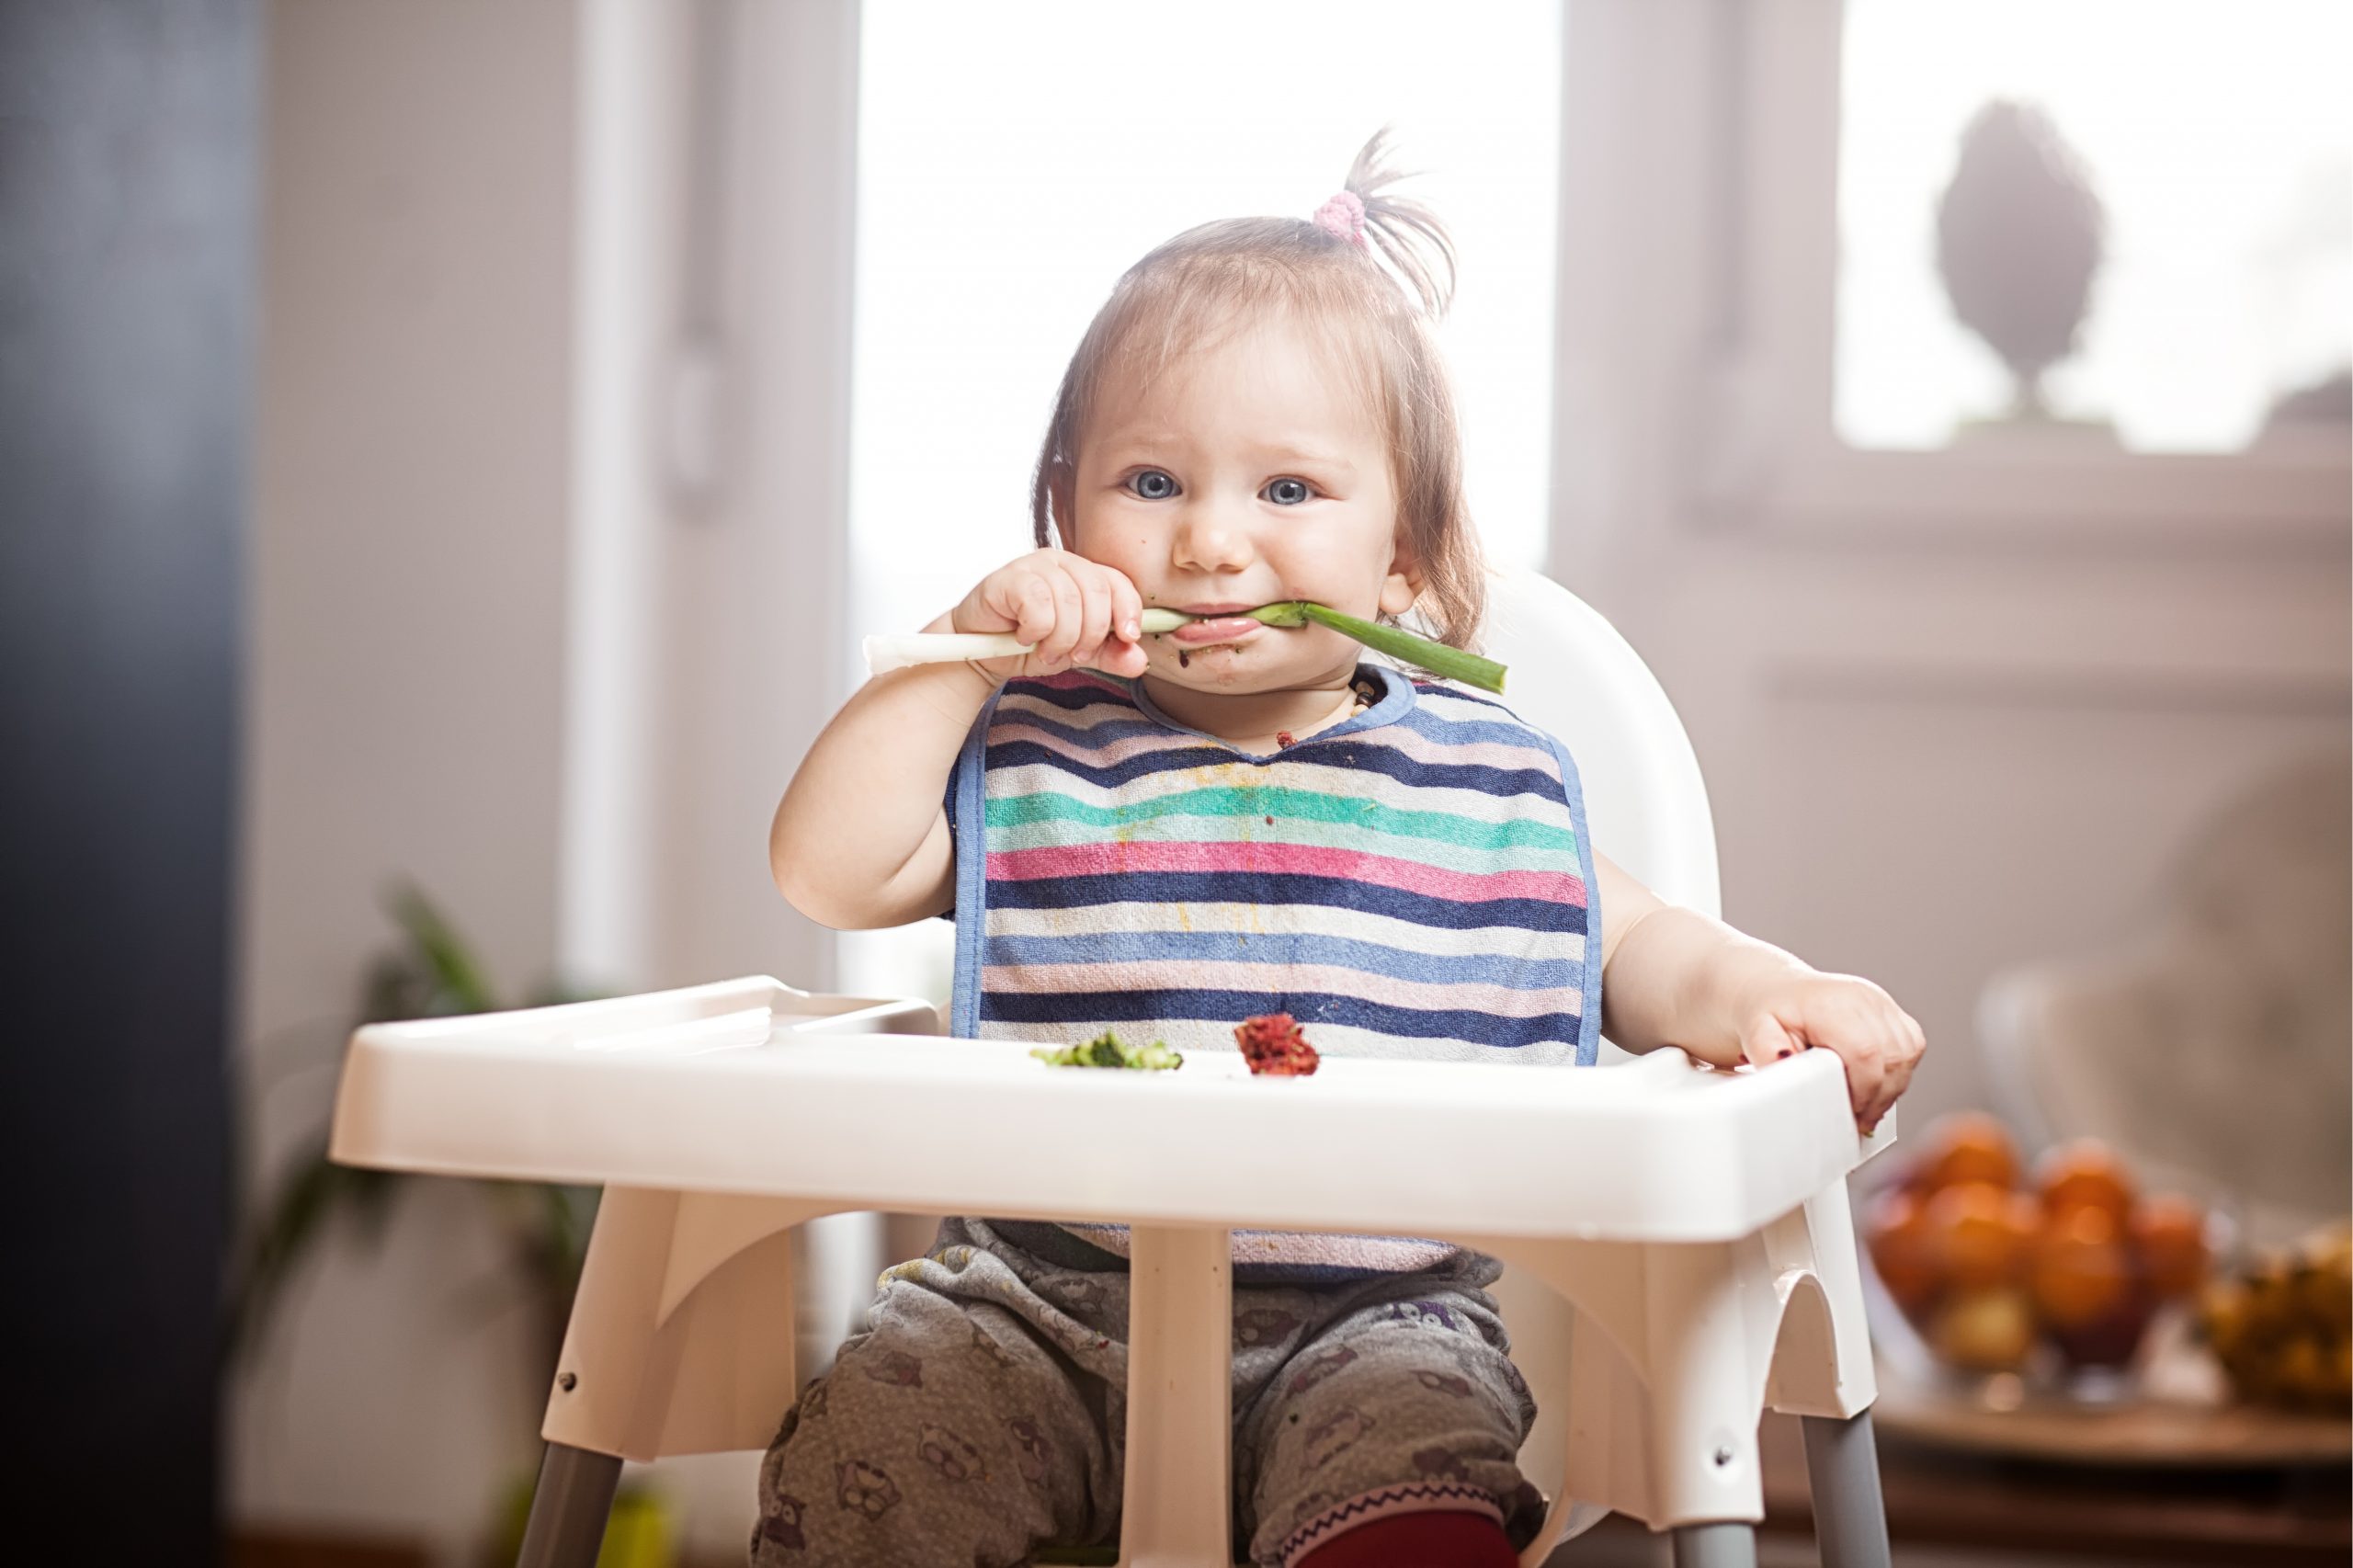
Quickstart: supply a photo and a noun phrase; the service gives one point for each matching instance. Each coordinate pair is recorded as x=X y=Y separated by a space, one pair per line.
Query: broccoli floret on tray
x=1106 y=1051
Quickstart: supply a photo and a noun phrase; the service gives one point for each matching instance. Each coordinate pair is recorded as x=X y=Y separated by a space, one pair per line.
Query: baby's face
x=1250 y=473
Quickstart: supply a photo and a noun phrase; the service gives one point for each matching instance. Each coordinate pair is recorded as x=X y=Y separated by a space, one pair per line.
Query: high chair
x=1679 y=1252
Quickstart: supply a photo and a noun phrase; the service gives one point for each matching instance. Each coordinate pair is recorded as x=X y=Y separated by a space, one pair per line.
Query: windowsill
x=2043 y=488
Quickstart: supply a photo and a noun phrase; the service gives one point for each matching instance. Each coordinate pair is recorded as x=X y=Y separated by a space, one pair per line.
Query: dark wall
x=128 y=168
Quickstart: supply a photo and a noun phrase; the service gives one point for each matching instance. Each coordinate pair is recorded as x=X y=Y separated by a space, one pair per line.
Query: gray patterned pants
x=982 y=1414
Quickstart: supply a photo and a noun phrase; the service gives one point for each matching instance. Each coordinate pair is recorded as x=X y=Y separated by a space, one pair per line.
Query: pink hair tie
x=1343 y=218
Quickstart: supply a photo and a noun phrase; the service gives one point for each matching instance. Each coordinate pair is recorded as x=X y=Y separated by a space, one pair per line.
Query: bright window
x=1014 y=159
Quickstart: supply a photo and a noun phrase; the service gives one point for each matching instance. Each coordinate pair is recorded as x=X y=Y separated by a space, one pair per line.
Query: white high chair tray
x=752 y=1086
x=1695 y=1219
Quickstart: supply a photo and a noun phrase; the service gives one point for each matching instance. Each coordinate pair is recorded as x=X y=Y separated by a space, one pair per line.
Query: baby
x=1169 y=836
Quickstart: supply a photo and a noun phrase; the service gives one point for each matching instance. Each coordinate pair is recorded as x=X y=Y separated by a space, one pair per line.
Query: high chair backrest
x=1574 y=675
x=1570 y=673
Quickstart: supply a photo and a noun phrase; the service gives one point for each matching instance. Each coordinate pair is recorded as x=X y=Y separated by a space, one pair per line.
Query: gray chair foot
x=569 y=1508
x=1842 y=1467
x=1732 y=1545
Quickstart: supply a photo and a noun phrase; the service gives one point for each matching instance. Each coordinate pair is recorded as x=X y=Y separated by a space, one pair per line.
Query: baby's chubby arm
x=860 y=839
x=1674 y=976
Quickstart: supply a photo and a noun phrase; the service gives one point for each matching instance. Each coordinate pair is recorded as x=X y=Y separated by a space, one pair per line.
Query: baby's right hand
x=1073 y=613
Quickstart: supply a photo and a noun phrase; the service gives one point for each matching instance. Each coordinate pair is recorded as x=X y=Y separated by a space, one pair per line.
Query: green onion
x=1452 y=664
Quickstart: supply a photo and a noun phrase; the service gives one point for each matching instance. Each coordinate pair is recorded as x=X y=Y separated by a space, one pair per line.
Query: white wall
x=406 y=685
x=491 y=652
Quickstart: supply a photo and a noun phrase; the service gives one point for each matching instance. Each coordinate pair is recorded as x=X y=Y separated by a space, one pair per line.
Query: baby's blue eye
x=1287 y=492
x=1153 y=486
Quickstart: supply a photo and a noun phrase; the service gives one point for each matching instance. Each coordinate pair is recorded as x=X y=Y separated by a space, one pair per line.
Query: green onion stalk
x=1450 y=664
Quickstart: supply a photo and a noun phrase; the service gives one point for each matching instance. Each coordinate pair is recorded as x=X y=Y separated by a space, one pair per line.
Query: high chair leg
x=569 y=1508
x=1176 y=1510
x=1842 y=1468
x=1727 y=1545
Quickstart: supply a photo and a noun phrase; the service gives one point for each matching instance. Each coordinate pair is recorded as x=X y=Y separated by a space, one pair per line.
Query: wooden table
x=1963 y=1503
x=1936 y=1496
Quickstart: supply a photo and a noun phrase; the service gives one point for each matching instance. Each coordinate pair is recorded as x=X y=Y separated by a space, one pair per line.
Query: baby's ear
x=1402 y=589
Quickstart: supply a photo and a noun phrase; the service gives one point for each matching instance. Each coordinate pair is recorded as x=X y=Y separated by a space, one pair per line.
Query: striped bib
x=1415 y=881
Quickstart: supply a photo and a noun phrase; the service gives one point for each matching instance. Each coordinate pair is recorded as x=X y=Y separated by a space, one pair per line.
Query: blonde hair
x=1191 y=290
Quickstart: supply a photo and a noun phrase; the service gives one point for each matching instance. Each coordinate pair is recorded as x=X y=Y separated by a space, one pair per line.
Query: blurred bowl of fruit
x=2282 y=1327
x=2053 y=1274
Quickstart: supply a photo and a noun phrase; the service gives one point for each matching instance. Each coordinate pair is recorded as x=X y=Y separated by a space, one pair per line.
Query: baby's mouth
x=1208 y=633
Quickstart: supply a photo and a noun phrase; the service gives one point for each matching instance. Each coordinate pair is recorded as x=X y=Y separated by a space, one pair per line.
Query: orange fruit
x=1895 y=1229
x=2336 y=1378
x=1979 y=1237
x=2080 y=1272
x=2085 y=1172
x=1965 y=1147
x=2169 y=1238
x=2025 y=1216
x=1984 y=1331
x=2109 y=1340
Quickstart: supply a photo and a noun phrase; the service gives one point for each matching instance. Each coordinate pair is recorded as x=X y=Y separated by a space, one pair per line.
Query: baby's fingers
x=1094 y=624
x=1053 y=650
x=1876 y=1040
x=1027 y=602
x=1767 y=1041
x=1900 y=1053
x=1117 y=658
x=1867 y=1079
x=1127 y=608
x=1112 y=644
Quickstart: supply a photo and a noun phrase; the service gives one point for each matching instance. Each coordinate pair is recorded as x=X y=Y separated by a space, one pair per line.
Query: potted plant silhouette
x=2020 y=236
x=431 y=971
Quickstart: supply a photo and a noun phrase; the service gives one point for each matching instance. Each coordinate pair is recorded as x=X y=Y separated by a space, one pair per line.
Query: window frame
x=1770 y=458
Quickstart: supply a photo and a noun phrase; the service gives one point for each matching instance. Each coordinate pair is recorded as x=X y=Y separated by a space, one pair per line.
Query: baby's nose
x=1211 y=537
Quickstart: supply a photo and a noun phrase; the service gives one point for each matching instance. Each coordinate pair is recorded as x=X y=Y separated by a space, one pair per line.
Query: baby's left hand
x=1879 y=1041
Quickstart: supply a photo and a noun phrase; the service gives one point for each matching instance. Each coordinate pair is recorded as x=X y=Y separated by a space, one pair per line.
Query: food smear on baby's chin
x=1273 y=1046
x=1185 y=655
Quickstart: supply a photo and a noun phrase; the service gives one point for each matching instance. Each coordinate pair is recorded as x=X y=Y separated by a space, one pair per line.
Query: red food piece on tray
x=1272 y=1044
